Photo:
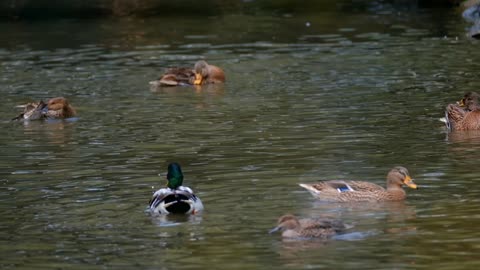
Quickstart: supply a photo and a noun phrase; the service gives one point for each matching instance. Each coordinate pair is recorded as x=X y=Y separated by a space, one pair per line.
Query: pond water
x=340 y=94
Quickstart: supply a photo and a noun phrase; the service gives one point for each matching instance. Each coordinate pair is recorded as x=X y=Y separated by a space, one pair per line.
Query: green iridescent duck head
x=174 y=175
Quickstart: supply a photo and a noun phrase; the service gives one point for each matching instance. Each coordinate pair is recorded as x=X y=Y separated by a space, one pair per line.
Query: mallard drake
x=57 y=107
x=175 y=198
x=202 y=73
x=292 y=227
x=356 y=191
x=465 y=115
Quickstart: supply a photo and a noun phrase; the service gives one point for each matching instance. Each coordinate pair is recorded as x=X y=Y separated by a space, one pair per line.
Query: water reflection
x=389 y=217
x=175 y=220
x=469 y=137
x=210 y=89
x=55 y=131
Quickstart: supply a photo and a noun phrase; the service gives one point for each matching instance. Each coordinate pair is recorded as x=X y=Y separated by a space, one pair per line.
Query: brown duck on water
x=357 y=191
x=465 y=115
x=202 y=73
x=57 y=107
x=293 y=227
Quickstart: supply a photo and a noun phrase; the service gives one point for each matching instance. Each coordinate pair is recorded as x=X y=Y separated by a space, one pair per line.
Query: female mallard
x=202 y=73
x=357 y=191
x=293 y=227
x=57 y=107
x=465 y=115
x=175 y=198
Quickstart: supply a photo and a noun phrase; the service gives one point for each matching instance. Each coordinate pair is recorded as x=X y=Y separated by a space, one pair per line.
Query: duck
x=292 y=227
x=360 y=191
x=201 y=73
x=465 y=115
x=55 y=108
x=175 y=198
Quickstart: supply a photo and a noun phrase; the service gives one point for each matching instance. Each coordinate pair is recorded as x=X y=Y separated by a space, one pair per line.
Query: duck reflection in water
x=210 y=89
x=371 y=218
x=174 y=220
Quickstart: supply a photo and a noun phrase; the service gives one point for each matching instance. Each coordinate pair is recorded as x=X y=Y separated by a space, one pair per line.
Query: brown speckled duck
x=293 y=227
x=357 y=191
x=465 y=115
x=202 y=73
x=57 y=107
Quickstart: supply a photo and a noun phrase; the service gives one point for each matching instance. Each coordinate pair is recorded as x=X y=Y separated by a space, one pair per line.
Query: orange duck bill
x=408 y=181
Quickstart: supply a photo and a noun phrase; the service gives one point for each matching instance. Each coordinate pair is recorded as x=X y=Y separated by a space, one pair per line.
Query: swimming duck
x=465 y=115
x=202 y=73
x=356 y=191
x=57 y=107
x=175 y=198
x=292 y=227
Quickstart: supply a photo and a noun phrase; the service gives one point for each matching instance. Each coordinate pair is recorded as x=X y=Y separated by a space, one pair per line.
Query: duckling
x=202 y=73
x=175 y=198
x=357 y=191
x=292 y=227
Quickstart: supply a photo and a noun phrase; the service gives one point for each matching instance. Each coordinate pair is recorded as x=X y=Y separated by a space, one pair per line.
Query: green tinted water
x=340 y=94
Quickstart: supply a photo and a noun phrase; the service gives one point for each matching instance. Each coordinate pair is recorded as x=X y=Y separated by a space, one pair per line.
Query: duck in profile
x=202 y=73
x=358 y=191
x=55 y=108
x=465 y=115
x=175 y=198
x=292 y=227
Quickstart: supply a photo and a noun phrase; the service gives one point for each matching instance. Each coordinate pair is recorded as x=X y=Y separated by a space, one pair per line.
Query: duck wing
x=454 y=115
x=362 y=186
x=471 y=121
x=346 y=191
x=32 y=111
x=180 y=201
x=159 y=196
x=320 y=227
x=177 y=76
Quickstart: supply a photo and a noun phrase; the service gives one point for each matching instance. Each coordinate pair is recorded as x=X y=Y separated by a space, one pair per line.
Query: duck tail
x=310 y=188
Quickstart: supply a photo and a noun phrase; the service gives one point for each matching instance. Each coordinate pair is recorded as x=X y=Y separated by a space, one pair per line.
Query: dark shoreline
x=44 y=9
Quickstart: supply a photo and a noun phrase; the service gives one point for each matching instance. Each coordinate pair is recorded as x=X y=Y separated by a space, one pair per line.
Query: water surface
x=343 y=94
